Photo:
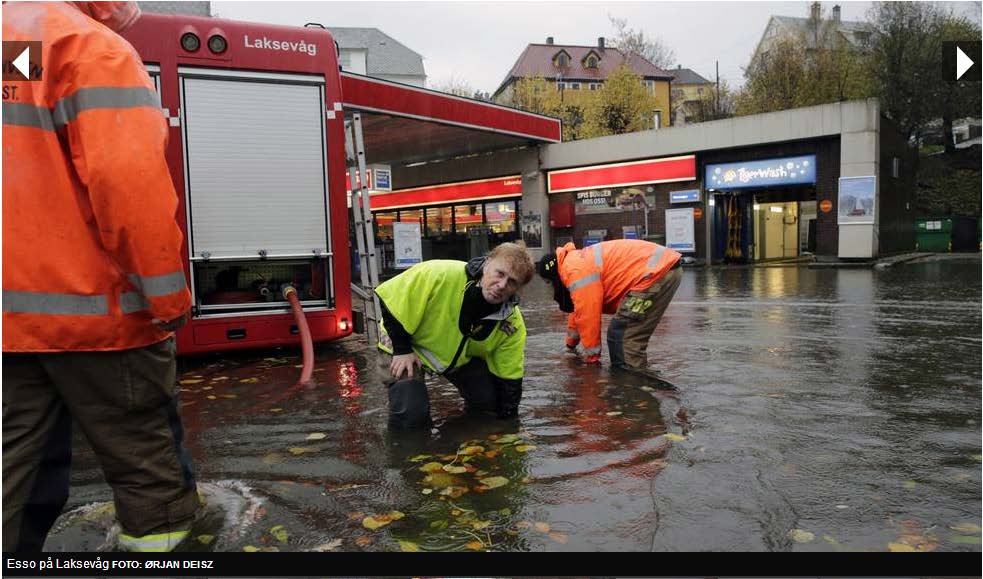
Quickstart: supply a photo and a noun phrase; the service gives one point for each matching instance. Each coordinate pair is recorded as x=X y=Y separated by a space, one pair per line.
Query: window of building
x=650 y=86
x=466 y=216
x=562 y=59
x=574 y=86
x=591 y=62
x=896 y=167
x=384 y=224
x=657 y=119
x=500 y=216
x=438 y=221
x=411 y=215
x=595 y=86
x=560 y=85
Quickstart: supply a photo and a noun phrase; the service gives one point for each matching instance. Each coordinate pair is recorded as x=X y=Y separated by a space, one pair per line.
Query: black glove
x=509 y=394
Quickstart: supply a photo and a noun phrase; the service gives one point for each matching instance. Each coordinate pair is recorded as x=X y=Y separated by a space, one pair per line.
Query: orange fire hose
x=290 y=294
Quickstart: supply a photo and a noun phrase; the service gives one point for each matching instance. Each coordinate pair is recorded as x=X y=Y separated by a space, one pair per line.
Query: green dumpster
x=934 y=235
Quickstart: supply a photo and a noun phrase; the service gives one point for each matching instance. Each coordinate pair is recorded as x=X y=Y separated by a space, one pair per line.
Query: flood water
x=818 y=409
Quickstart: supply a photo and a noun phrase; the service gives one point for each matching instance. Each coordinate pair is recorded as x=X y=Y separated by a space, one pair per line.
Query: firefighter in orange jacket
x=93 y=281
x=633 y=279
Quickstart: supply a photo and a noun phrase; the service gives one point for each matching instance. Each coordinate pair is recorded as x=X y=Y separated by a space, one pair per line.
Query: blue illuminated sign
x=767 y=173
x=688 y=196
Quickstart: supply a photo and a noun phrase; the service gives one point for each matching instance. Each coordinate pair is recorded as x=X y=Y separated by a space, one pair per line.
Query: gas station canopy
x=403 y=124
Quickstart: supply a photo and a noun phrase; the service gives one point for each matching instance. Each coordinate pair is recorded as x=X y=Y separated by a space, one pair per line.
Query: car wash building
x=835 y=181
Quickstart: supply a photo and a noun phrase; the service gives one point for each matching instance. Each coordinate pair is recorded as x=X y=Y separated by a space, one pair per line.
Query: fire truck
x=257 y=156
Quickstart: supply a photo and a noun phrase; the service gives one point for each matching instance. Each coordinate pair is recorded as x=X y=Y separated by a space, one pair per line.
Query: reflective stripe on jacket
x=600 y=276
x=91 y=248
x=426 y=299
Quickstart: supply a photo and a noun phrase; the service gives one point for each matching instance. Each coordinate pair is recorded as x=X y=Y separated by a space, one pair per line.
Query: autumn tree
x=622 y=105
x=630 y=41
x=455 y=86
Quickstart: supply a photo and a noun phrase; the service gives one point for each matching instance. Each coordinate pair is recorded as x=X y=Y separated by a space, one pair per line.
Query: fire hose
x=307 y=346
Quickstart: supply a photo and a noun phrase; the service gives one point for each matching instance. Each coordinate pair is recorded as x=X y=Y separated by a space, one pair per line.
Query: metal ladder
x=364 y=232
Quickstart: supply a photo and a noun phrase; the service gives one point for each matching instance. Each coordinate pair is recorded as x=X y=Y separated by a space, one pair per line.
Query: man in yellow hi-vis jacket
x=461 y=321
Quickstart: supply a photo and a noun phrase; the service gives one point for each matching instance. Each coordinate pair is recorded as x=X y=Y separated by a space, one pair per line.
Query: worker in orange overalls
x=631 y=278
x=93 y=281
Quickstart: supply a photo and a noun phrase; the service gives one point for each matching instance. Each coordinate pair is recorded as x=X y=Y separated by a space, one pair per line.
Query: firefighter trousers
x=638 y=315
x=409 y=402
x=126 y=404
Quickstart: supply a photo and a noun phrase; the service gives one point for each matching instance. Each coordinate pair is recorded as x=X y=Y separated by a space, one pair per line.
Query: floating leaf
x=559 y=537
x=419 y=457
x=454 y=492
x=494 y=482
x=250 y=549
x=675 y=437
x=249 y=380
x=205 y=539
x=279 y=533
x=966 y=528
x=206 y=388
x=331 y=545
x=491 y=454
x=454 y=469
x=524 y=447
x=408 y=546
x=900 y=548
x=220 y=378
x=965 y=540
x=301 y=449
x=212 y=397
x=189 y=382
x=615 y=413
x=228 y=396
x=427 y=491
x=841 y=507
x=909 y=484
x=276 y=409
x=542 y=527
x=469 y=450
x=431 y=467
x=316 y=436
x=440 y=479
x=272 y=458
x=523 y=525
x=356 y=515
x=364 y=541
x=439 y=525
x=377 y=521
x=800 y=536
x=475 y=545
x=507 y=439
x=505 y=512
x=478 y=525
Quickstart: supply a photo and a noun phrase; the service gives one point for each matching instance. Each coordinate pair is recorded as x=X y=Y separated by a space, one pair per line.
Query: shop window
x=411 y=215
x=466 y=216
x=384 y=225
x=438 y=221
x=500 y=216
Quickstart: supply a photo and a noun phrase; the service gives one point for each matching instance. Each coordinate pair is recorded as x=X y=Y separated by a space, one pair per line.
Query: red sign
x=825 y=205
x=697 y=212
x=623 y=174
x=449 y=193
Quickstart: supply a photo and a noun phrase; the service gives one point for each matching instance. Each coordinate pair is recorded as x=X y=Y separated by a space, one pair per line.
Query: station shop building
x=835 y=181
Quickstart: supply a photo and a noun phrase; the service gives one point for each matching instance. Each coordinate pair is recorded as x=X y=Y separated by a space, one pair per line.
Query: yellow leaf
x=494 y=482
x=363 y=541
x=249 y=380
x=440 y=479
x=372 y=523
x=523 y=525
x=469 y=450
x=431 y=467
x=272 y=458
x=675 y=437
x=909 y=484
x=475 y=545
x=524 y=447
x=219 y=378
x=966 y=528
x=506 y=439
x=188 y=382
x=800 y=536
x=301 y=449
x=316 y=436
x=478 y=525
x=542 y=527
x=454 y=469
x=228 y=396
x=212 y=397
x=280 y=533
x=205 y=539
x=614 y=413
x=427 y=491
x=250 y=549
x=559 y=537
x=276 y=409
x=419 y=457
x=408 y=546
x=900 y=548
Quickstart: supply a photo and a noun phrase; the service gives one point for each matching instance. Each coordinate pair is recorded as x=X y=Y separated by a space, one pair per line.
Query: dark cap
x=548 y=268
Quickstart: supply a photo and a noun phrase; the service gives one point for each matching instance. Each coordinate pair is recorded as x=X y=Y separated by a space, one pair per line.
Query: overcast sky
x=478 y=42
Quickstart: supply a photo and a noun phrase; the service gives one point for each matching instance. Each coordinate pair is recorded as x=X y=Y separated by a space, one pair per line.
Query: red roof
x=537 y=61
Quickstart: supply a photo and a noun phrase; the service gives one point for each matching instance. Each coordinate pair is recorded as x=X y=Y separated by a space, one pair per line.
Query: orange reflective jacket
x=600 y=276
x=91 y=248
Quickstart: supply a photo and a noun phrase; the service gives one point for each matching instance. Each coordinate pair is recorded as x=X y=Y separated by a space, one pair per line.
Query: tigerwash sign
x=768 y=173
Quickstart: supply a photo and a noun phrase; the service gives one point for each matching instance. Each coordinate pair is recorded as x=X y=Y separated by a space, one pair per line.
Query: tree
x=634 y=42
x=774 y=80
x=904 y=60
x=622 y=105
x=956 y=99
x=714 y=104
x=455 y=86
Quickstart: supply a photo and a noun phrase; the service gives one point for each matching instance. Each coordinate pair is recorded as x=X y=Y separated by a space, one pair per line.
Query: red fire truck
x=257 y=155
